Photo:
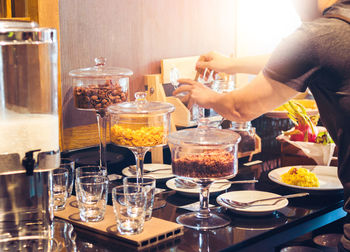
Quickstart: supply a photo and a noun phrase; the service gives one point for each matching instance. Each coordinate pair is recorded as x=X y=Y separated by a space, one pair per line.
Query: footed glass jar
x=140 y=125
x=204 y=154
x=95 y=88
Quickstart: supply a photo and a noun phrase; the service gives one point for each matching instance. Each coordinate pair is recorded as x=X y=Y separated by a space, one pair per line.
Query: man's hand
x=214 y=61
x=197 y=93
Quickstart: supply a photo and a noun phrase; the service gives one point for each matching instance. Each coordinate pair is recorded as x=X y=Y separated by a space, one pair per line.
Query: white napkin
x=194 y=206
x=321 y=153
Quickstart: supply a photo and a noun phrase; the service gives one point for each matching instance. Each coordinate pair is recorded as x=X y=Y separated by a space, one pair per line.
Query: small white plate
x=214 y=188
x=162 y=174
x=249 y=195
x=327 y=176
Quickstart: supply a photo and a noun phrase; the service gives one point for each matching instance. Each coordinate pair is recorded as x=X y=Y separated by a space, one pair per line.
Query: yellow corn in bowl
x=300 y=177
x=145 y=136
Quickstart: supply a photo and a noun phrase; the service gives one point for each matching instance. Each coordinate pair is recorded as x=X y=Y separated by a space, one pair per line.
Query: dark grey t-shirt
x=317 y=56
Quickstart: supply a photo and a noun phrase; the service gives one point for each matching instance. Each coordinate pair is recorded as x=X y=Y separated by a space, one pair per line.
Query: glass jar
x=140 y=123
x=97 y=87
x=204 y=152
x=247 y=133
x=221 y=84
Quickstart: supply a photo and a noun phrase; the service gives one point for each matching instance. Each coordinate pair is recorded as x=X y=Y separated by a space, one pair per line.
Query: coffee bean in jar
x=247 y=133
x=98 y=96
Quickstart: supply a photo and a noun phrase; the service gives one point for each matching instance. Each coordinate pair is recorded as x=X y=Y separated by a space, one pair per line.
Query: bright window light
x=261 y=24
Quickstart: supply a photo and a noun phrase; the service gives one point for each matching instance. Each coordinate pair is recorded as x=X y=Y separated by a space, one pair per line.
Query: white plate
x=163 y=174
x=214 y=188
x=284 y=114
x=327 y=176
x=249 y=195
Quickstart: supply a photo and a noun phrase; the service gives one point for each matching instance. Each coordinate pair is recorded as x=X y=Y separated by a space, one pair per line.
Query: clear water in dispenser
x=29 y=133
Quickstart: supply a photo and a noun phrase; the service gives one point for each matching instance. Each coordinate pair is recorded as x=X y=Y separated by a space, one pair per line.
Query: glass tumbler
x=60 y=188
x=92 y=197
x=69 y=164
x=129 y=205
x=90 y=170
x=87 y=170
x=148 y=183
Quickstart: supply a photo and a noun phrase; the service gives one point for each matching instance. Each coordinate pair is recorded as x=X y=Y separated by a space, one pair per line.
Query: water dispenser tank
x=29 y=133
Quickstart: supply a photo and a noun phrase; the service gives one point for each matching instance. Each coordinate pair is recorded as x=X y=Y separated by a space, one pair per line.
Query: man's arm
x=261 y=95
x=222 y=63
x=250 y=64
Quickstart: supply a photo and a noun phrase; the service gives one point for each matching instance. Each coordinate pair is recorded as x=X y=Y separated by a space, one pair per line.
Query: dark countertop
x=245 y=233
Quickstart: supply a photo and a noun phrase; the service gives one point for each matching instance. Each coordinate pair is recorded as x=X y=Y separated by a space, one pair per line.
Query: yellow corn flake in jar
x=144 y=136
x=300 y=177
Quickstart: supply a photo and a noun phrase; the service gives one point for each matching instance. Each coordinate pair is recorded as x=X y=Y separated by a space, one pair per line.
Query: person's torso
x=330 y=83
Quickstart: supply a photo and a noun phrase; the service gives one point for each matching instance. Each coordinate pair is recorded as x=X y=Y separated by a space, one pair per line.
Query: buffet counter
x=246 y=232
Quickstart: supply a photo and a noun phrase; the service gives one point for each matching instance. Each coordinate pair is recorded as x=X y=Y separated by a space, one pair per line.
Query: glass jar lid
x=100 y=70
x=16 y=32
x=204 y=135
x=141 y=106
x=17 y=24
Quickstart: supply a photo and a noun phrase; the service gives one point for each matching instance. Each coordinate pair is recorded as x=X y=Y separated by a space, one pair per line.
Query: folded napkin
x=194 y=206
x=321 y=153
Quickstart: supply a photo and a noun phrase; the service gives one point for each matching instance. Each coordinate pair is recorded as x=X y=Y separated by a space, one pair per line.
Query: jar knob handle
x=140 y=97
x=100 y=61
x=203 y=122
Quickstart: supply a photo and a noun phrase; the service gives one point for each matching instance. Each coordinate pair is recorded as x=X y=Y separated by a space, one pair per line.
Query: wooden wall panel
x=137 y=34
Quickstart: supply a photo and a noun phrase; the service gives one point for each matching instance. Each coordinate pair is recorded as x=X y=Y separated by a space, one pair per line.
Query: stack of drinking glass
x=132 y=201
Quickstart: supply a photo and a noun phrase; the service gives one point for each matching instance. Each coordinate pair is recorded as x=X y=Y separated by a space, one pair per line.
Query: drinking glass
x=60 y=188
x=69 y=164
x=207 y=79
x=129 y=205
x=87 y=170
x=149 y=184
x=92 y=197
x=90 y=170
